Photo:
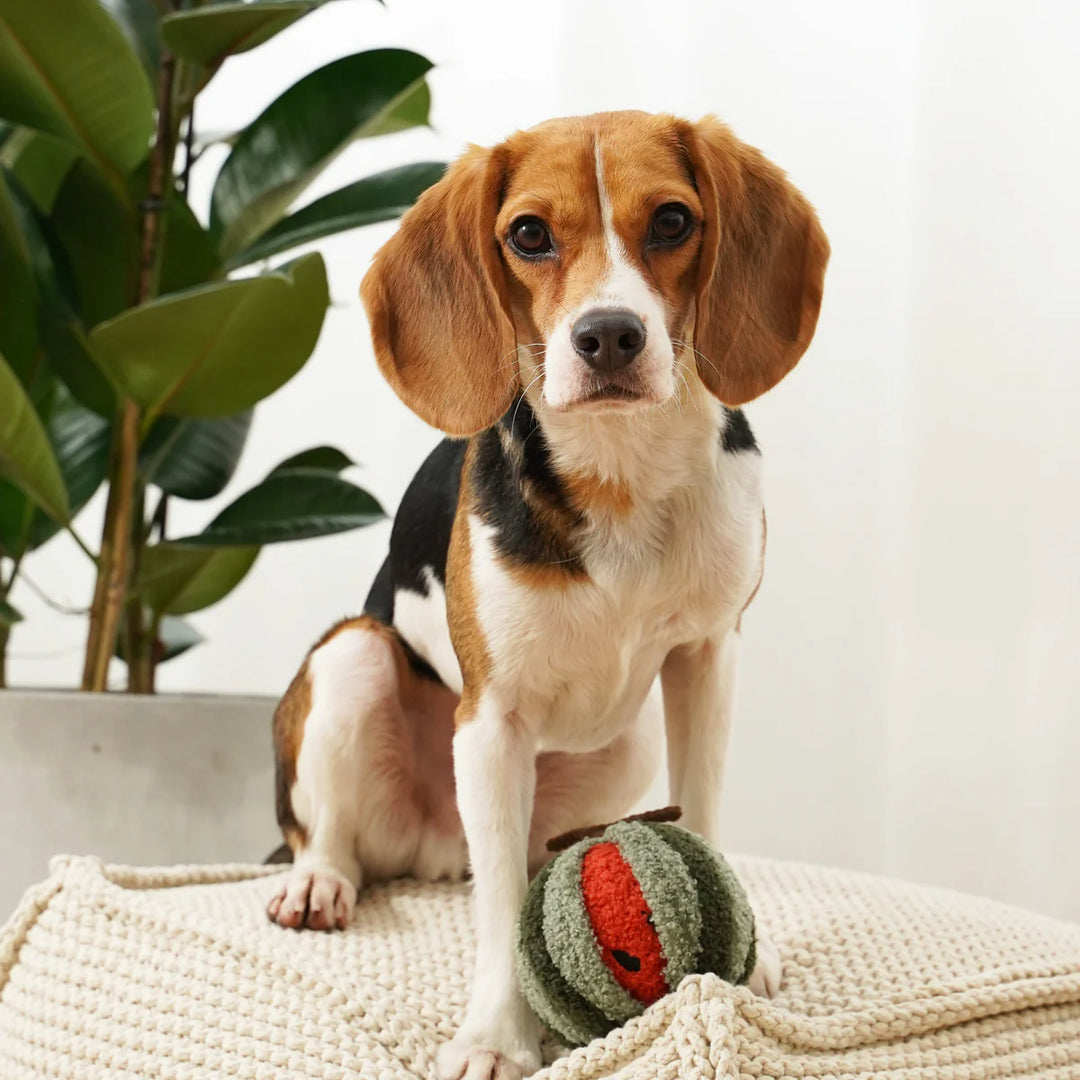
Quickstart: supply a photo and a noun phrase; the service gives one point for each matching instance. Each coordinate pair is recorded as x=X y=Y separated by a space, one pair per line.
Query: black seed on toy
x=631 y=963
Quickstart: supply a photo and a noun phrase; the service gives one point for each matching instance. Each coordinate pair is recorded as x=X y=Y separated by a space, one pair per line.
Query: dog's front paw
x=316 y=899
x=466 y=1058
x=768 y=973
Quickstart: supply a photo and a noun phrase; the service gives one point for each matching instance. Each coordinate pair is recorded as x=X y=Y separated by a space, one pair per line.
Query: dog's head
x=587 y=259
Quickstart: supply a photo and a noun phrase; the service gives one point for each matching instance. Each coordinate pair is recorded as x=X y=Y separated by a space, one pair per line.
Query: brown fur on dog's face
x=554 y=176
x=462 y=318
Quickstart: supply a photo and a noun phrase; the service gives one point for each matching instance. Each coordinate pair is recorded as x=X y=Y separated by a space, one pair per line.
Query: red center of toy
x=622 y=923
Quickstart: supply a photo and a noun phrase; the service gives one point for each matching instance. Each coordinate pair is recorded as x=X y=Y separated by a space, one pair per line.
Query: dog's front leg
x=698 y=681
x=495 y=772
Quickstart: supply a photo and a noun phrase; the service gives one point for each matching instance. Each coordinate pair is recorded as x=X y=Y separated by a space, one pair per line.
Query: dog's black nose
x=608 y=339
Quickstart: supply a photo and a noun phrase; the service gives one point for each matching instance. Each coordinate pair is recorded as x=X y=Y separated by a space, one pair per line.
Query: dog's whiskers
x=698 y=353
x=531 y=347
x=517 y=408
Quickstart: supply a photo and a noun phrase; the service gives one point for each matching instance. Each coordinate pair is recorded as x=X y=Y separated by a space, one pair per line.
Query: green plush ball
x=616 y=921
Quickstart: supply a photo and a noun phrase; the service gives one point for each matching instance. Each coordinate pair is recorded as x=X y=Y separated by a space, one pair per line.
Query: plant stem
x=114 y=565
x=161 y=517
x=189 y=156
x=149 y=658
x=154 y=653
x=5 y=630
x=139 y=638
x=85 y=548
x=48 y=601
x=114 y=561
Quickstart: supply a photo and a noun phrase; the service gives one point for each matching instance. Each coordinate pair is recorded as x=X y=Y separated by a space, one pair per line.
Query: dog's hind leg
x=358 y=738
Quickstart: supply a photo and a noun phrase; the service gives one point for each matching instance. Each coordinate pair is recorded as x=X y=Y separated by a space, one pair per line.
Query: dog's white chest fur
x=576 y=660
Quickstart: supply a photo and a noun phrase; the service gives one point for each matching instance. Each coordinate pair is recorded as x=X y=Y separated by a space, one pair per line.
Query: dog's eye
x=670 y=224
x=530 y=237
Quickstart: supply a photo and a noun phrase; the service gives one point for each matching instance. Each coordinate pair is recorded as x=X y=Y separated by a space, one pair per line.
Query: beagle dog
x=582 y=309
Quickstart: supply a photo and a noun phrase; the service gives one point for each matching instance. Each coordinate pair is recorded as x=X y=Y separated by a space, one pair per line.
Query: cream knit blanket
x=110 y=972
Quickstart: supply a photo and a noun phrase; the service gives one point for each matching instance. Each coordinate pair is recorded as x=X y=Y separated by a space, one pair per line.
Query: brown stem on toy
x=568 y=839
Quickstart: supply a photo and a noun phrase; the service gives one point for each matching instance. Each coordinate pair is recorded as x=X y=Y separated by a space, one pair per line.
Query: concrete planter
x=146 y=780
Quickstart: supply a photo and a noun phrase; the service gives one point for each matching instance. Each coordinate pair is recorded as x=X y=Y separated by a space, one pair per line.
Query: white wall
x=908 y=699
x=984 y=749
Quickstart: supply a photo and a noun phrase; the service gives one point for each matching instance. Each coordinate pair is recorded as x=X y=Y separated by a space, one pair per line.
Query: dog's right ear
x=436 y=300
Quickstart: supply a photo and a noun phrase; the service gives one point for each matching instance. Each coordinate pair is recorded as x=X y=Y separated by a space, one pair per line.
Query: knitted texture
x=620 y=919
x=109 y=973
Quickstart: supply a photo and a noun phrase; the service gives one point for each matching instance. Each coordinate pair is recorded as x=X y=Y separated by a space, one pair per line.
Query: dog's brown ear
x=436 y=300
x=762 y=269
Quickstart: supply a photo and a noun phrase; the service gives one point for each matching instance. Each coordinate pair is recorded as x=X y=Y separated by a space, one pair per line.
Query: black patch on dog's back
x=380 y=598
x=420 y=539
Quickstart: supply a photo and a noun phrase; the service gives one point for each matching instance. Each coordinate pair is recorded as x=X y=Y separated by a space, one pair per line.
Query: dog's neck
x=651 y=453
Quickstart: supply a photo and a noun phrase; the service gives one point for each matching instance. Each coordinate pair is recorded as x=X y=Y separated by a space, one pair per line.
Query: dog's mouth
x=613 y=395
x=613 y=392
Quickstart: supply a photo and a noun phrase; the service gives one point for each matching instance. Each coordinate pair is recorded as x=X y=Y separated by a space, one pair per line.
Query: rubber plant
x=128 y=354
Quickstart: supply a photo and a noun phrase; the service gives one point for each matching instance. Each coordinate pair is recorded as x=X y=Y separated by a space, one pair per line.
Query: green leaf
x=80 y=440
x=194 y=459
x=190 y=256
x=100 y=238
x=9 y=616
x=295 y=504
x=62 y=337
x=17 y=512
x=26 y=458
x=39 y=162
x=299 y=134
x=206 y=139
x=16 y=516
x=175 y=636
x=45 y=255
x=18 y=306
x=178 y=578
x=208 y=35
x=381 y=197
x=71 y=356
x=219 y=349
x=66 y=68
x=324 y=458
x=138 y=19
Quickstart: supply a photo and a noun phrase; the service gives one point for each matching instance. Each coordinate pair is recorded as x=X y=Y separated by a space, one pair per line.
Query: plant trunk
x=116 y=559
x=138 y=640
x=5 y=636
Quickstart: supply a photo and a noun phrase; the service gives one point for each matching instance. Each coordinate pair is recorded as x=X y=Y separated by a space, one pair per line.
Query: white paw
x=768 y=972
x=463 y=1059
x=316 y=899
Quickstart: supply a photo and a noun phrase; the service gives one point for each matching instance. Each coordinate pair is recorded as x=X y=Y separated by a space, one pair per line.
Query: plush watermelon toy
x=616 y=921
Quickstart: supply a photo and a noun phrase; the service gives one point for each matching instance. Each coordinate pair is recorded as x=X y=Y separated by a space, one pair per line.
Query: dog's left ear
x=762 y=268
